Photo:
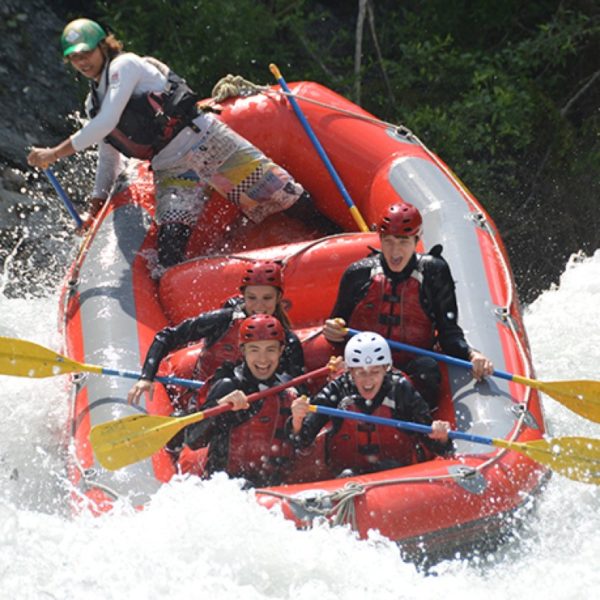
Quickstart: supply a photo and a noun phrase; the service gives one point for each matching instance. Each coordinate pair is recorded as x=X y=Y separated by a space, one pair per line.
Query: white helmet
x=367 y=349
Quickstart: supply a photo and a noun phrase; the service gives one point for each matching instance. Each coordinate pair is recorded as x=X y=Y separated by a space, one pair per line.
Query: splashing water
x=211 y=539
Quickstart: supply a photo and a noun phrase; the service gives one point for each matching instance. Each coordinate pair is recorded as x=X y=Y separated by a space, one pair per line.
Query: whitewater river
x=210 y=540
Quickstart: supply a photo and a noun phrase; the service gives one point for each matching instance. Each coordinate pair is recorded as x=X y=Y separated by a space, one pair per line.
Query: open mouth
x=262 y=370
x=368 y=391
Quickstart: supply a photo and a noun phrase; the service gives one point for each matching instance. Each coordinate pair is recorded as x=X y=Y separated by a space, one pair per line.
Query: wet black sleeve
x=353 y=286
x=440 y=300
x=410 y=405
x=329 y=396
x=209 y=324
x=292 y=361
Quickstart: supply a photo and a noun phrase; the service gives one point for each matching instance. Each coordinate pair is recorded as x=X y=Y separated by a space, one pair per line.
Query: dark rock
x=37 y=89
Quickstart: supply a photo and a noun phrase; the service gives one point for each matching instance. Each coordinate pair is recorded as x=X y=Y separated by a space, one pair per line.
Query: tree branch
x=565 y=109
x=371 y=13
x=360 y=23
x=315 y=56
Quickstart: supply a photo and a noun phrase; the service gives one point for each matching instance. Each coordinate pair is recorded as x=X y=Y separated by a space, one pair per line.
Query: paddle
x=320 y=150
x=128 y=440
x=577 y=458
x=581 y=396
x=63 y=196
x=26 y=359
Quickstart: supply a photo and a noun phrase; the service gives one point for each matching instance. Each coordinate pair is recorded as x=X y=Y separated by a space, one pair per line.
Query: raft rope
x=88 y=479
x=232 y=86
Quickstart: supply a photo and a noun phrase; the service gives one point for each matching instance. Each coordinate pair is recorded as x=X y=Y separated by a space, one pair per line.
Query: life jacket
x=366 y=447
x=397 y=315
x=151 y=120
x=225 y=349
x=258 y=448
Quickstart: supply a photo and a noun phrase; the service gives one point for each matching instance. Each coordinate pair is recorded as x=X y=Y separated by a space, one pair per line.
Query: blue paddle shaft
x=346 y=414
x=451 y=360
x=190 y=383
x=63 y=196
x=316 y=143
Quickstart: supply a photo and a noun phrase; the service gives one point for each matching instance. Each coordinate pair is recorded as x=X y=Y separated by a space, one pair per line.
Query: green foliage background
x=506 y=92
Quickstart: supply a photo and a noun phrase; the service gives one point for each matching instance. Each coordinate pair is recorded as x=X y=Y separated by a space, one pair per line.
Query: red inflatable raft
x=112 y=308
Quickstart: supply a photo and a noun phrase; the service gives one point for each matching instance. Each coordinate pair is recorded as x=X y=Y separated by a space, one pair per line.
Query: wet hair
x=282 y=315
x=111 y=46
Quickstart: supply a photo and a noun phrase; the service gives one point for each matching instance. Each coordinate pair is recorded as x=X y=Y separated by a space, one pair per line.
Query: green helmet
x=81 y=35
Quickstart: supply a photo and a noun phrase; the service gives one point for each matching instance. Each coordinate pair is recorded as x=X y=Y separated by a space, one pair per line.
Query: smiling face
x=261 y=299
x=262 y=357
x=398 y=250
x=88 y=63
x=368 y=380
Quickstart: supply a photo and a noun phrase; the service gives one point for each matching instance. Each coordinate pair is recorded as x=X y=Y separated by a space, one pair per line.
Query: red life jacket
x=226 y=348
x=258 y=448
x=150 y=121
x=399 y=317
x=364 y=446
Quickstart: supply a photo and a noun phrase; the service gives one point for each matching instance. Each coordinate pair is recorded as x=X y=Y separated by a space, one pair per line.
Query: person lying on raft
x=372 y=387
x=406 y=297
x=249 y=441
x=137 y=107
x=262 y=291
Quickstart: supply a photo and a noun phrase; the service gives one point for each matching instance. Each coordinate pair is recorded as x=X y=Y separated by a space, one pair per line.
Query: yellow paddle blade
x=26 y=359
x=577 y=458
x=125 y=441
x=581 y=396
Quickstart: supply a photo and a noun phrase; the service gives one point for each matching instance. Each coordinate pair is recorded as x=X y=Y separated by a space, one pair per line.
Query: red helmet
x=259 y=328
x=264 y=272
x=401 y=219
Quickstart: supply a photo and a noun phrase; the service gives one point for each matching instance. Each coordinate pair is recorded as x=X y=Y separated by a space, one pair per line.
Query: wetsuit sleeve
x=314 y=422
x=191 y=330
x=293 y=356
x=353 y=286
x=410 y=405
x=440 y=293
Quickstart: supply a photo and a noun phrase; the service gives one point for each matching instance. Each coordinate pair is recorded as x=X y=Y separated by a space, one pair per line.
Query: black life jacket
x=150 y=121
